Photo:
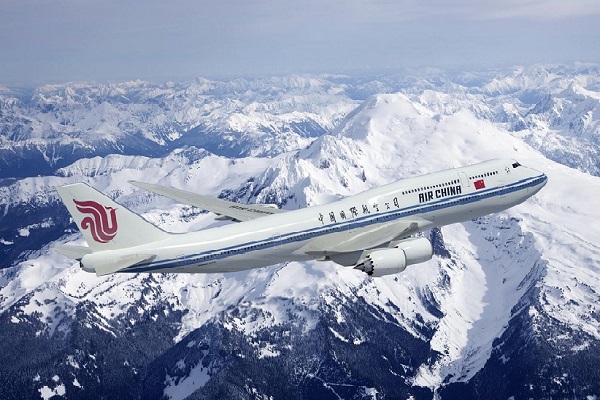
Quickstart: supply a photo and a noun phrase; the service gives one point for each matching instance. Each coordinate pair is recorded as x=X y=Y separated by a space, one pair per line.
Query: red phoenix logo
x=97 y=221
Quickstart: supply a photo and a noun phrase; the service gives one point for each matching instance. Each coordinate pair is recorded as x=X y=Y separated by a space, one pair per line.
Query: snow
x=31 y=275
x=59 y=390
x=338 y=335
x=371 y=392
x=48 y=393
x=89 y=115
x=71 y=361
x=179 y=388
x=495 y=261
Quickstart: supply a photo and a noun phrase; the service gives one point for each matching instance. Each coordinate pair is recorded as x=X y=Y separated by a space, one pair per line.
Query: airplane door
x=465 y=183
x=464 y=179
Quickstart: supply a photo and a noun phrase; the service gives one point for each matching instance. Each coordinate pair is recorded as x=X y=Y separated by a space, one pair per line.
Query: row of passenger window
x=437 y=185
x=484 y=175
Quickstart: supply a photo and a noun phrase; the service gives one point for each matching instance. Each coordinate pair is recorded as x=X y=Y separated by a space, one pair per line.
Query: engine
x=393 y=260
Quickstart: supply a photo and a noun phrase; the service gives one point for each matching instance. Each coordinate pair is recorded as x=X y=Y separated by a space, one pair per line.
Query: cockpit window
x=515 y=165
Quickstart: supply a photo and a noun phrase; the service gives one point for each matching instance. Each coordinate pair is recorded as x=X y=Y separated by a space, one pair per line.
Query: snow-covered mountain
x=54 y=125
x=507 y=307
x=553 y=108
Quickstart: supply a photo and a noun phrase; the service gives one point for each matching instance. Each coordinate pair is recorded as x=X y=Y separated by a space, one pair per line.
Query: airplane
x=375 y=231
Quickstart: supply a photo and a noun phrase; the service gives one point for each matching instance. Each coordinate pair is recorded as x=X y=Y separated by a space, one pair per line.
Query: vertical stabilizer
x=106 y=225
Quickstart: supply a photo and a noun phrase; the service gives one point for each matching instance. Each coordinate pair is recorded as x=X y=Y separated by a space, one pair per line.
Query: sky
x=47 y=41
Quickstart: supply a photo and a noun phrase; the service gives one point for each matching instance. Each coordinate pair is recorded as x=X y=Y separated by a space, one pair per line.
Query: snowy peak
x=381 y=113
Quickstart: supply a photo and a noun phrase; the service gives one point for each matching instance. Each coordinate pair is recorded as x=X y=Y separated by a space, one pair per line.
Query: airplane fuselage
x=405 y=207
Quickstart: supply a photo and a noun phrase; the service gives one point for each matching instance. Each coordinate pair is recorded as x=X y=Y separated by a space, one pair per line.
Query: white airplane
x=370 y=231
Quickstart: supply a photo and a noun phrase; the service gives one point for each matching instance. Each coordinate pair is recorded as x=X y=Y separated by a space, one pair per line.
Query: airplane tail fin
x=106 y=225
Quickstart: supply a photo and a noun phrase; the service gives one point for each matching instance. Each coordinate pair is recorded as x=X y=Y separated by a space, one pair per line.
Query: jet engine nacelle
x=394 y=260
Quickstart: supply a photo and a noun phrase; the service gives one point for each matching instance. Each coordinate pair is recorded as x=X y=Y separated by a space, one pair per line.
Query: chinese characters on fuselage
x=352 y=212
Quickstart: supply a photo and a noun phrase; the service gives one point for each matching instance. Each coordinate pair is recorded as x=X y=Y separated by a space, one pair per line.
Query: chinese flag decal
x=479 y=184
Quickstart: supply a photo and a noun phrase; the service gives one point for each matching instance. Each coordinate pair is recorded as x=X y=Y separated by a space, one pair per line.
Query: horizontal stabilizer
x=71 y=251
x=224 y=208
x=121 y=263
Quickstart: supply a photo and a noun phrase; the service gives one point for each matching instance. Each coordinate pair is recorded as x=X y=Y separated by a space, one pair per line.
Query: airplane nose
x=544 y=180
x=538 y=183
x=538 y=174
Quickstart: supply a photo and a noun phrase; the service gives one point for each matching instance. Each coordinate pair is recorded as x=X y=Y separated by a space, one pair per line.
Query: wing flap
x=226 y=209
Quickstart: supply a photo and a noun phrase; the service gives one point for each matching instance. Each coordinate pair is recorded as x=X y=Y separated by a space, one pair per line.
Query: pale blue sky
x=63 y=40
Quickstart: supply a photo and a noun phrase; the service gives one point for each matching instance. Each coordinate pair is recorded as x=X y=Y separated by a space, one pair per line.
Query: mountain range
x=507 y=308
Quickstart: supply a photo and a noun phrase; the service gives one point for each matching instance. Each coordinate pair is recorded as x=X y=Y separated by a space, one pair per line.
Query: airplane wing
x=230 y=210
x=376 y=236
x=72 y=251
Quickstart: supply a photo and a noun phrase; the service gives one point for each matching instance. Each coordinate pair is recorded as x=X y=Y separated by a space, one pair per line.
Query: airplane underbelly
x=254 y=259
